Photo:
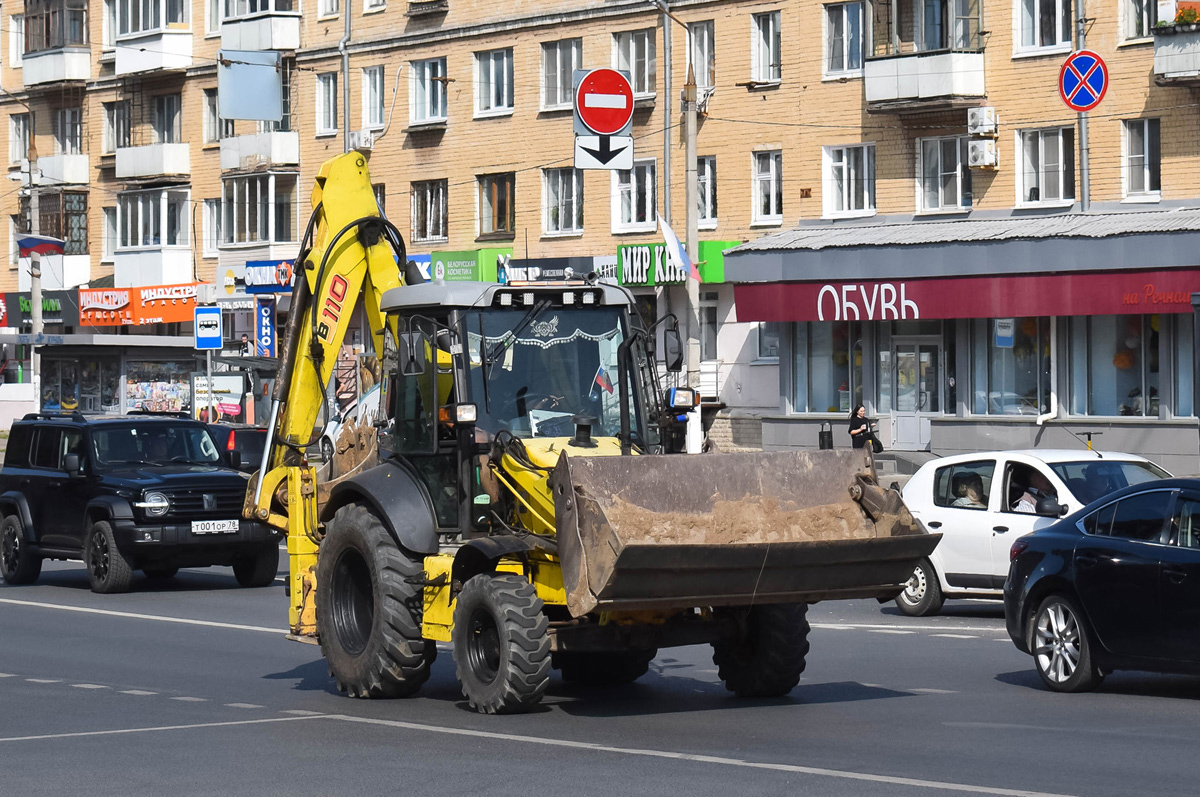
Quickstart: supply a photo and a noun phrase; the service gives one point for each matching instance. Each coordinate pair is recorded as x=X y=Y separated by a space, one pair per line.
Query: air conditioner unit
x=981 y=121
x=982 y=153
x=362 y=140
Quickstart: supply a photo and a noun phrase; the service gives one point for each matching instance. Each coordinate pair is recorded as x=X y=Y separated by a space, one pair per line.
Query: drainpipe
x=346 y=77
x=1052 y=412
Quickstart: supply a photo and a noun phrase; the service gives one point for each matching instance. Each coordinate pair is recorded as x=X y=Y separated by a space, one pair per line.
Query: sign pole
x=208 y=385
x=694 y=439
x=1085 y=186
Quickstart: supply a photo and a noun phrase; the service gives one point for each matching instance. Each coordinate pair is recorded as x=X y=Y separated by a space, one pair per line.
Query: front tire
x=260 y=569
x=767 y=658
x=922 y=595
x=501 y=644
x=608 y=668
x=1062 y=647
x=369 y=609
x=108 y=569
x=17 y=564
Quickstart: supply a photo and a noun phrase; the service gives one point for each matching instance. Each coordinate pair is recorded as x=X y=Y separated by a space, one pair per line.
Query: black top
x=860 y=439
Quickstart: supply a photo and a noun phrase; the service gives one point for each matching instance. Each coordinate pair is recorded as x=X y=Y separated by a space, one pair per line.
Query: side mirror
x=1048 y=507
x=411 y=350
x=672 y=350
x=235 y=459
x=71 y=464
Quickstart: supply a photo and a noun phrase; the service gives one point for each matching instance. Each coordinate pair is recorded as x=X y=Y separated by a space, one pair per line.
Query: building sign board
x=999 y=296
x=268 y=276
x=152 y=304
x=59 y=308
x=648 y=264
x=264 y=326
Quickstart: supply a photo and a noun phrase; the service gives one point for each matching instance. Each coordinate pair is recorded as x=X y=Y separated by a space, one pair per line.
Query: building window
x=116 y=127
x=372 y=97
x=768 y=340
x=1143 y=158
x=843 y=38
x=16 y=40
x=1114 y=362
x=945 y=178
x=212 y=227
x=428 y=91
x=18 y=137
x=1046 y=23
x=108 y=239
x=768 y=188
x=496 y=203
x=259 y=209
x=212 y=119
x=708 y=325
x=429 y=211
x=327 y=8
x=702 y=52
x=563 y=190
x=706 y=185
x=108 y=26
x=243 y=8
x=559 y=60
x=1140 y=18
x=1010 y=366
x=154 y=218
x=212 y=16
x=766 y=49
x=327 y=104
x=53 y=24
x=494 y=82
x=379 y=190
x=635 y=55
x=373 y=5
x=68 y=131
x=141 y=16
x=636 y=197
x=62 y=214
x=1047 y=172
x=167 y=126
x=827 y=366
x=849 y=180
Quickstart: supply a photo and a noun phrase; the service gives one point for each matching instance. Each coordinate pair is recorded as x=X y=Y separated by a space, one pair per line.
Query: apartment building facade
x=846 y=116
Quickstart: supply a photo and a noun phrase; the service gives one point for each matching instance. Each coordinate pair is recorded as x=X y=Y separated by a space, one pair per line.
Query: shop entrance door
x=918 y=382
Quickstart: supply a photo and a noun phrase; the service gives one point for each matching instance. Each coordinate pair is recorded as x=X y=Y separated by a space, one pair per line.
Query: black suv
x=125 y=493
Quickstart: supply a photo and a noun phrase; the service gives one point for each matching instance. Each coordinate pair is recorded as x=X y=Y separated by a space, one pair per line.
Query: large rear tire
x=768 y=656
x=922 y=595
x=17 y=564
x=603 y=669
x=501 y=644
x=369 y=609
x=108 y=569
x=259 y=569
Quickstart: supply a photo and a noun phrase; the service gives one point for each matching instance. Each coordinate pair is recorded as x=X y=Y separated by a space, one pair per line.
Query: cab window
x=964 y=486
x=1141 y=517
x=1185 y=522
x=46 y=448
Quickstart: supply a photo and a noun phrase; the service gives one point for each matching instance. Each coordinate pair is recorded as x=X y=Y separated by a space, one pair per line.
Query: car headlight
x=154 y=504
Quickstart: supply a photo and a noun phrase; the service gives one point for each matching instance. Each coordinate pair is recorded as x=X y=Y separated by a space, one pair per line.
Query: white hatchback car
x=981 y=503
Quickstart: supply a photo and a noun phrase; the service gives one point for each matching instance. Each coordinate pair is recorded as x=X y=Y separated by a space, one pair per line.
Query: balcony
x=261 y=149
x=160 y=49
x=1177 y=55
x=60 y=169
x=268 y=30
x=62 y=65
x=162 y=265
x=153 y=160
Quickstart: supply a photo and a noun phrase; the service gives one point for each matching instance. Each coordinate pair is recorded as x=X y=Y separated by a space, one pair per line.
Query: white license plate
x=214 y=526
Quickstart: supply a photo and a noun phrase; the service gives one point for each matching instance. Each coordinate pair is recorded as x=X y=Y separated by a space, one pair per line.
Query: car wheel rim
x=914 y=589
x=483 y=646
x=353 y=602
x=99 y=558
x=1057 y=642
x=11 y=550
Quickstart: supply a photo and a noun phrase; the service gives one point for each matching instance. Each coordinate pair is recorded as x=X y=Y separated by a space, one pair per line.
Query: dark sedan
x=1115 y=586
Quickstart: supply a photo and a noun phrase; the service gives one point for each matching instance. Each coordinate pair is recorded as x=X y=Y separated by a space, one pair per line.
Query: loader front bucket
x=679 y=531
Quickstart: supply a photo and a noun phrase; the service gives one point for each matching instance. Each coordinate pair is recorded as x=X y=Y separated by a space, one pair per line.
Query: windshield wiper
x=516 y=331
x=483 y=363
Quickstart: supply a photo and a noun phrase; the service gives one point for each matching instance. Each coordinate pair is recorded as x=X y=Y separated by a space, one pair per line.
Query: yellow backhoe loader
x=523 y=507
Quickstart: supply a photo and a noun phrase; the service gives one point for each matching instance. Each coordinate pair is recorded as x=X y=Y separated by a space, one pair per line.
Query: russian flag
x=603 y=379
x=41 y=244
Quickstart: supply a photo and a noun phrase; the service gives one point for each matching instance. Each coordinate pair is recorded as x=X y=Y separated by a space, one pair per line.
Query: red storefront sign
x=153 y=304
x=1107 y=293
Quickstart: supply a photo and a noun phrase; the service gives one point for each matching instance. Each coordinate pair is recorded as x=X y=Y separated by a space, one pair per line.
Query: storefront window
x=827 y=363
x=1010 y=365
x=159 y=386
x=1183 y=365
x=1114 y=365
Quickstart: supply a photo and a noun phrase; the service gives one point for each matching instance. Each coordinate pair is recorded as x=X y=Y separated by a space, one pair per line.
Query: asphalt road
x=191 y=689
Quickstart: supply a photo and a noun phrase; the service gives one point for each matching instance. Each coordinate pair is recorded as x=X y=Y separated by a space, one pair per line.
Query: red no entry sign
x=604 y=101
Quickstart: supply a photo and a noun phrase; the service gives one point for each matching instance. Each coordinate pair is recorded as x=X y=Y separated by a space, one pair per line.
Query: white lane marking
x=137 y=616
x=1005 y=726
x=869 y=626
x=594 y=100
x=89 y=686
x=302 y=713
x=118 y=731
x=705 y=759
x=957 y=636
x=935 y=691
x=8 y=675
x=44 y=680
x=137 y=692
x=890 y=631
x=191 y=699
x=243 y=705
